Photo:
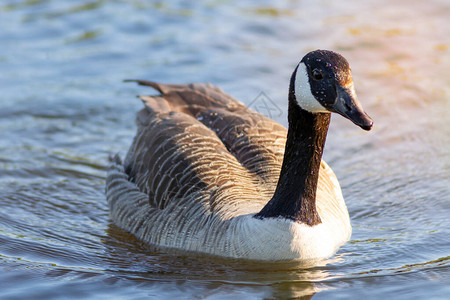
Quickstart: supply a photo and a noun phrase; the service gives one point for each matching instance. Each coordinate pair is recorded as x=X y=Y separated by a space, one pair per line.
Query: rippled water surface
x=64 y=109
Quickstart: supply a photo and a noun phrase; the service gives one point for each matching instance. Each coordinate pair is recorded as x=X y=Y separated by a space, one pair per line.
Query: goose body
x=207 y=174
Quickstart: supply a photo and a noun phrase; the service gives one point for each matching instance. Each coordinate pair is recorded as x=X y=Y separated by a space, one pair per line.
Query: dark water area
x=64 y=109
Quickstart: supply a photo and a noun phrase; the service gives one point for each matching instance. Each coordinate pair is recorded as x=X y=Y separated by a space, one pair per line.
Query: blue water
x=64 y=110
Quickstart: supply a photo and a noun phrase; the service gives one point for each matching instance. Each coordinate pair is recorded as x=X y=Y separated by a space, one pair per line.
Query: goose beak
x=347 y=105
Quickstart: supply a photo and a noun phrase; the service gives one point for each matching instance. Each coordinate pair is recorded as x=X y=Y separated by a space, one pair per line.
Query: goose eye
x=317 y=74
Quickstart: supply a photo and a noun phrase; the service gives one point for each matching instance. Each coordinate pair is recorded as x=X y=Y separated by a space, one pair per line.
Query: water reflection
x=127 y=255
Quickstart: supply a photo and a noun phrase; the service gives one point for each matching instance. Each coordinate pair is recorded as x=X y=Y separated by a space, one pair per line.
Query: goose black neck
x=295 y=195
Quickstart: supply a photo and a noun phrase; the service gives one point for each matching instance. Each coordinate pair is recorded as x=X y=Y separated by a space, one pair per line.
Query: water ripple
x=64 y=110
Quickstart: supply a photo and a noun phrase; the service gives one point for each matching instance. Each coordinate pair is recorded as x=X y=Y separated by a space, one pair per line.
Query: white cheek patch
x=303 y=95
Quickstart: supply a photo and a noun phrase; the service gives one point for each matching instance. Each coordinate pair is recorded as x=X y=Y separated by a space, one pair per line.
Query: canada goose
x=207 y=174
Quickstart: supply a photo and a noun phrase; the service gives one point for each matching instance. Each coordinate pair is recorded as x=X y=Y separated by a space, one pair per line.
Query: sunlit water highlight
x=64 y=109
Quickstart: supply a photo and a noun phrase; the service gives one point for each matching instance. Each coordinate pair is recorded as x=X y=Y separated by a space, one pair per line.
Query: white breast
x=282 y=239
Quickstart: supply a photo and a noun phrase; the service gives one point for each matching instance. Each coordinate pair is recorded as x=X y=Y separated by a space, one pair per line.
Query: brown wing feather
x=256 y=141
x=195 y=138
x=174 y=156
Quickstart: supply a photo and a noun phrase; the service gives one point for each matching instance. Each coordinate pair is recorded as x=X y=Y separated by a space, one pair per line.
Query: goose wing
x=195 y=139
x=256 y=141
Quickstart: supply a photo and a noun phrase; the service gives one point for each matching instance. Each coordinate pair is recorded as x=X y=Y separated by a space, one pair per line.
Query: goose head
x=322 y=83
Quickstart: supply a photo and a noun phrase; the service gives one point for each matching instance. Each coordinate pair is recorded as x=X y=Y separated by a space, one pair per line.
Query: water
x=64 y=109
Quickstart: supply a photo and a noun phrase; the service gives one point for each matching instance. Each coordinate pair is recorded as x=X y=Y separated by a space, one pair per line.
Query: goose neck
x=295 y=194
